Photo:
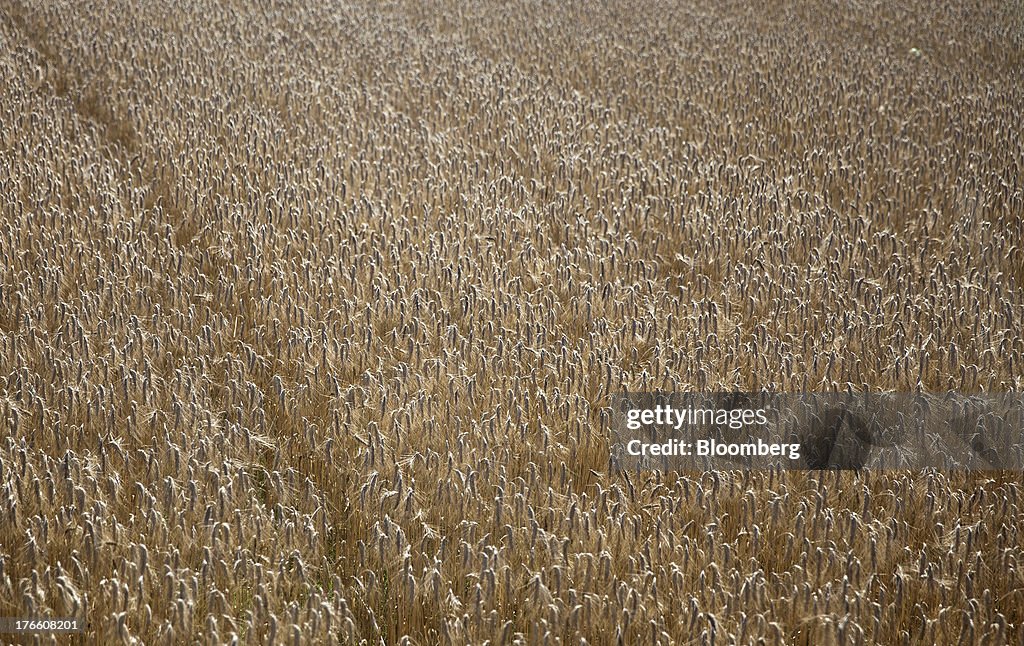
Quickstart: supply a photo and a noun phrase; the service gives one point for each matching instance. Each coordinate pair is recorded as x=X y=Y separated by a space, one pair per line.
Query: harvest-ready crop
x=310 y=315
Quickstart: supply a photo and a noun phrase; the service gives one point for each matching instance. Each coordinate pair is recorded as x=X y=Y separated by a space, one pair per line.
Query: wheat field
x=311 y=313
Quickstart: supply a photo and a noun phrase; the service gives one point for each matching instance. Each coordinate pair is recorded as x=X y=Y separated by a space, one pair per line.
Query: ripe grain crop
x=310 y=314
